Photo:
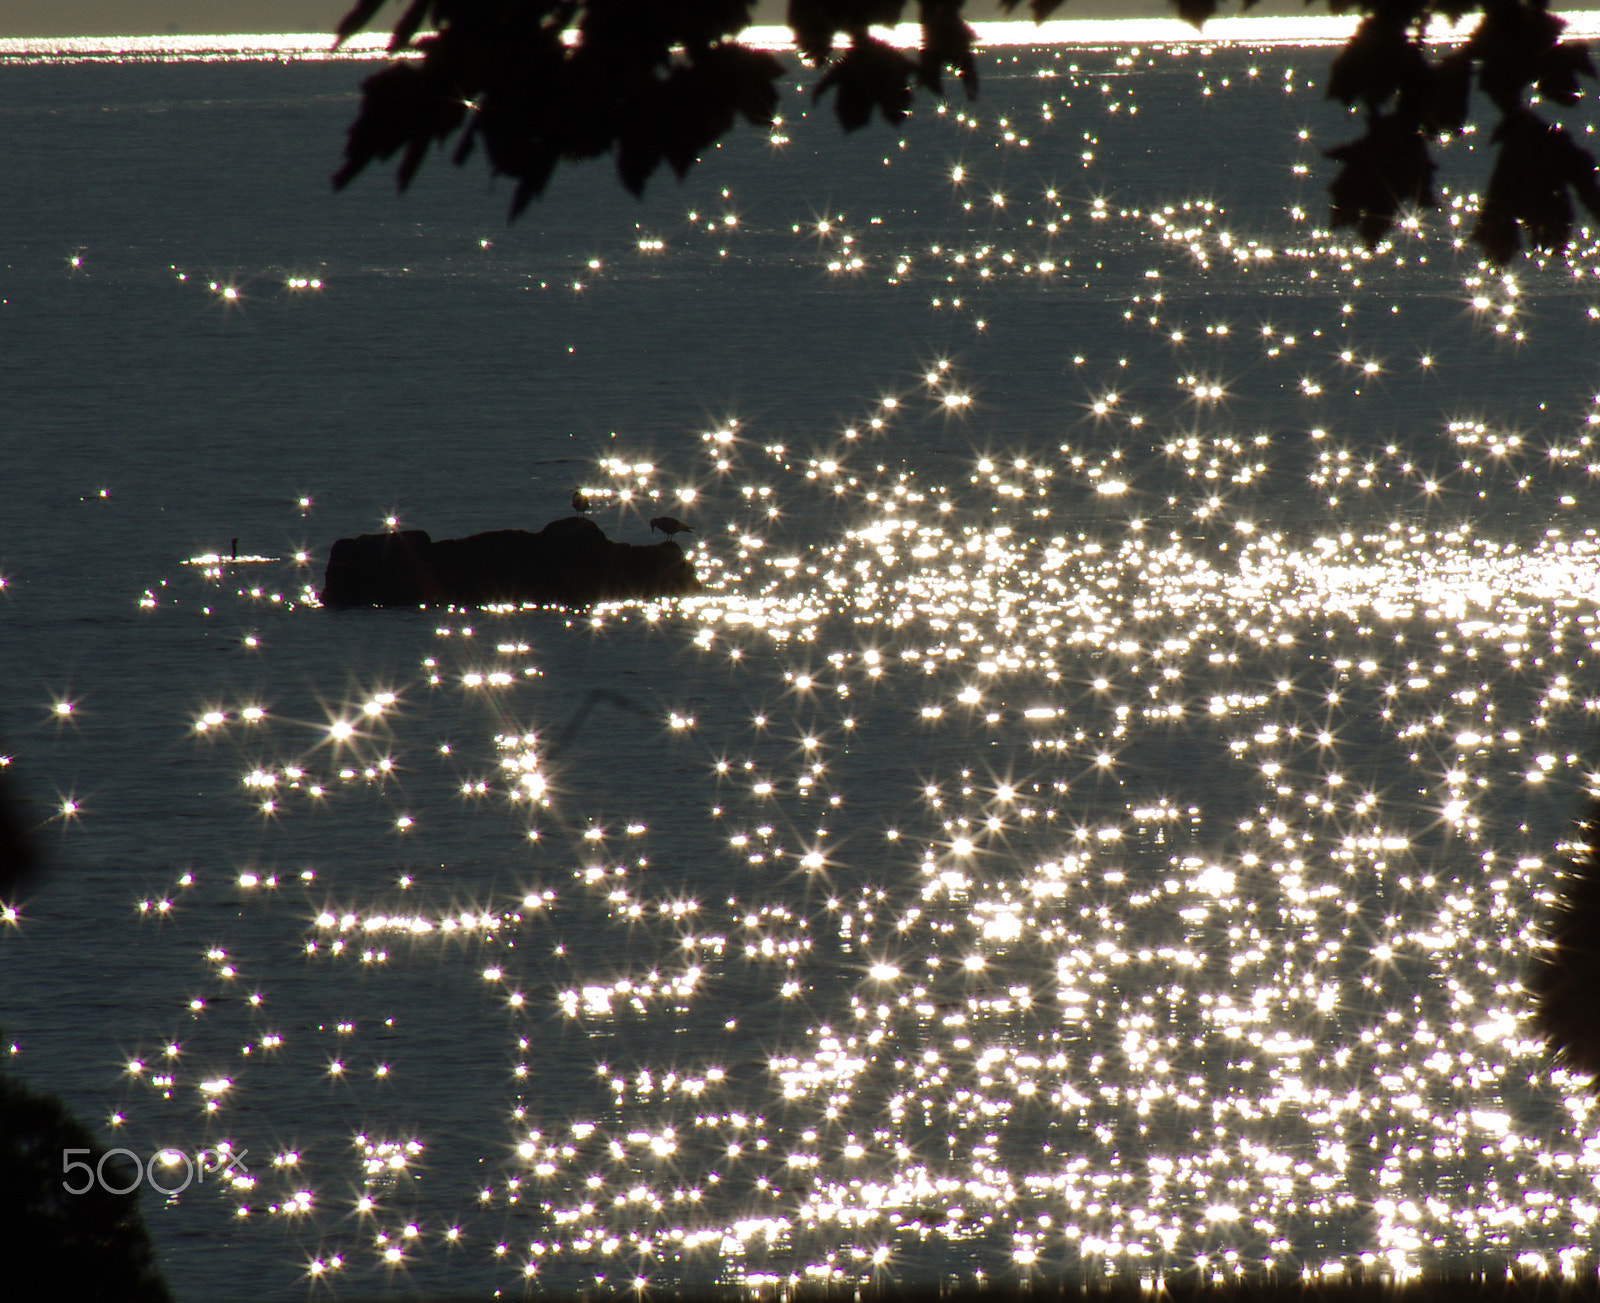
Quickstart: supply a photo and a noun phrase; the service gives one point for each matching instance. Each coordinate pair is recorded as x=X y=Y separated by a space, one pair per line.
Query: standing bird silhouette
x=670 y=525
x=580 y=502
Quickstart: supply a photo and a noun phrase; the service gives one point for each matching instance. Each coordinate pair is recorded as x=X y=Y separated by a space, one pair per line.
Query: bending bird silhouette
x=670 y=525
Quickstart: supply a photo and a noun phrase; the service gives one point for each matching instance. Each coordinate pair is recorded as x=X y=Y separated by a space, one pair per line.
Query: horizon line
x=1303 y=30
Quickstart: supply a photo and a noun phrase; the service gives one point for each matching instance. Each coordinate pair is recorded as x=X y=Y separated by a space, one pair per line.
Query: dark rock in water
x=570 y=562
x=381 y=570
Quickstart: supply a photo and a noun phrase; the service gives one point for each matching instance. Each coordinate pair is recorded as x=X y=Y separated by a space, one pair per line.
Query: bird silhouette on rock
x=580 y=502
x=670 y=525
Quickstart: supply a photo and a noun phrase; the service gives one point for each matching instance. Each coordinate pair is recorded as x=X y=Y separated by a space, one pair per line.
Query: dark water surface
x=1094 y=822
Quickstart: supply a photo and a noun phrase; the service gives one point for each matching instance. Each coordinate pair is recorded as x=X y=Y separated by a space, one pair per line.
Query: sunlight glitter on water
x=1270 y=1015
x=182 y=48
x=1110 y=843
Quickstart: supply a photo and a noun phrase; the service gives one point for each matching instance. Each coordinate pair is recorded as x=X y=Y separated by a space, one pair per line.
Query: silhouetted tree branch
x=1565 y=981
x=539 y=82
x=55 y=1244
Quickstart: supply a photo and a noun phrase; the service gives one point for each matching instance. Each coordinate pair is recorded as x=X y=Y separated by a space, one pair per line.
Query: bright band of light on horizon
x=1254 y=31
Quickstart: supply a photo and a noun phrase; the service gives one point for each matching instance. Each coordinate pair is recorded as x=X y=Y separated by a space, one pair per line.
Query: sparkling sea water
x=1095 y=822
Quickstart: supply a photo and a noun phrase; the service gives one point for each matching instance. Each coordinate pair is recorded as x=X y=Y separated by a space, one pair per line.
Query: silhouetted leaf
x=404 y=106
x=1559 y=69
x=650 y=29
x=868 y=75
x=652 y=81
x=516 y=115
x=1528 y=190
x=638 y=157
x=538 y=166
x=409 y=24
x=1040 y=9
x=1451 y=92
x=689 y=109
x=816 y=22
x=1383 y=171
x=1514 y=45
x=468 y=141
x=356 y=19
x=1378 y=63
x=745 y=79
x=946 y=43
x=1195 y=11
